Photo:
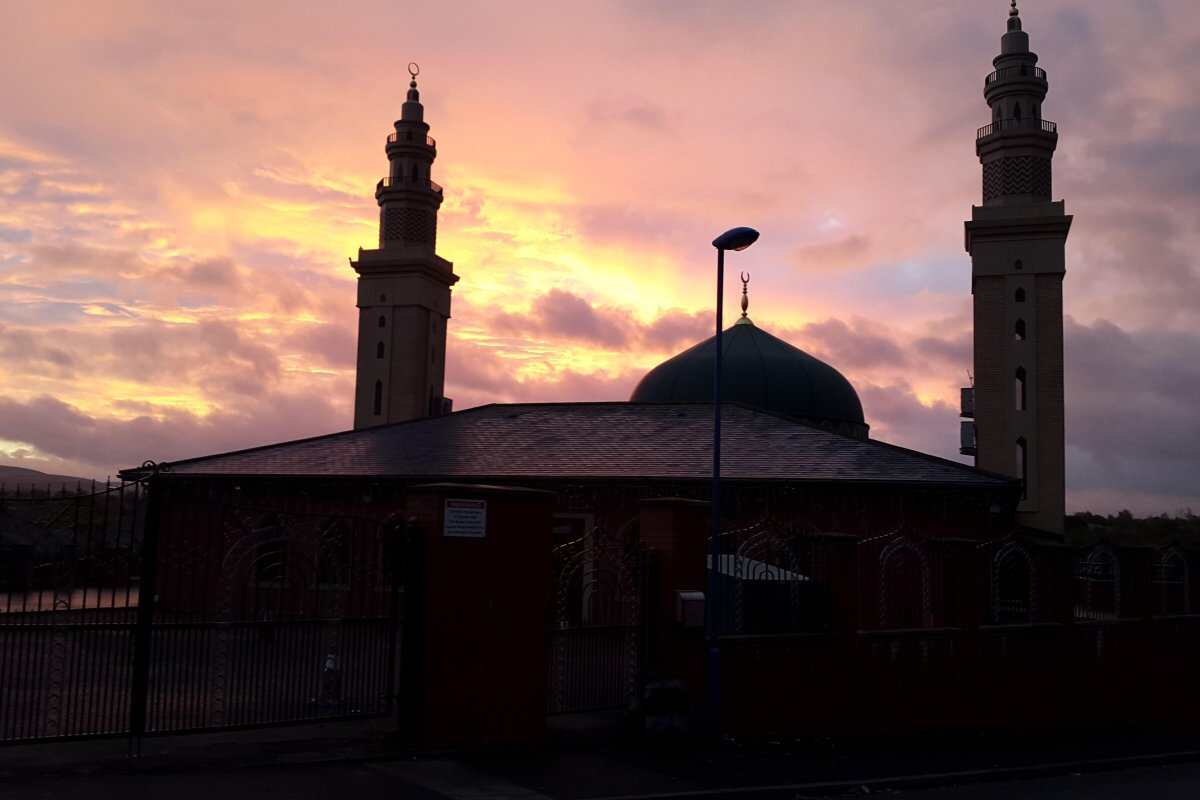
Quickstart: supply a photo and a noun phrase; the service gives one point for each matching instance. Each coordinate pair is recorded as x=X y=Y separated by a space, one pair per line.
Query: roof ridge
x=385 y=450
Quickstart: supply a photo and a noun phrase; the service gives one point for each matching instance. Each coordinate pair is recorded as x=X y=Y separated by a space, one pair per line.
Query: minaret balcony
x=1004 y=125
x=401 y=183
x=409 y=136
x=1024 y=71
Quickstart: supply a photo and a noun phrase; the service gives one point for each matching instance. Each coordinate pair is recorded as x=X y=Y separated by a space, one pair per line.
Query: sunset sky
x=181 y=185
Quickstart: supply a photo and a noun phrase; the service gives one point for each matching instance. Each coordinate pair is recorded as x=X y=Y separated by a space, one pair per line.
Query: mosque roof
x=615 y=441
x=760 y=370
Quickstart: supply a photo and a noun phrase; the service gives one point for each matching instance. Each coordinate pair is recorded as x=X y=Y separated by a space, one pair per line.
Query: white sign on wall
x=466 y=518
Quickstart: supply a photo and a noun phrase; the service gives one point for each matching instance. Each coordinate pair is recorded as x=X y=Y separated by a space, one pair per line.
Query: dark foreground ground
x=592 y=759
x=452 y=781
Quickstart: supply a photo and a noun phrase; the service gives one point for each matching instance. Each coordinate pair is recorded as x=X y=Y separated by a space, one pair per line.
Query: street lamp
x=732 y=239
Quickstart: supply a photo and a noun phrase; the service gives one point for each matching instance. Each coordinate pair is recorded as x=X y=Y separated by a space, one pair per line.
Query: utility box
x=966 y=436
x=966 y=401
x=689 y=609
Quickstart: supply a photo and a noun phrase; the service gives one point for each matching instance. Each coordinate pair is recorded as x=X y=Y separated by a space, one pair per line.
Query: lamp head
x=736 y=239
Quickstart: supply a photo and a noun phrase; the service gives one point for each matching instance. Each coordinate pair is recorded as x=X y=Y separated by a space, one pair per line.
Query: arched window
x=1020 y=389
x=413 y=173
x=382 y=321
x=904 y=587
x=1098 y=585
x=1012 y=586
x=1023 y=465
x=379 y=350
x=1020 y=295
x=1019 y=330
x=333 y=553
x=1017 y=111
x=378 y=398
x=1171 y=582
x=1018 y=264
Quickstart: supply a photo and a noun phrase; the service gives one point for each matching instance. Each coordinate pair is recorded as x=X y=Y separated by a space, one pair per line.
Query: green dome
x=760 y=370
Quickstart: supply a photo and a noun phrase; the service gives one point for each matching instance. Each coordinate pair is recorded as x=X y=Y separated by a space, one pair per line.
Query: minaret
x=1017 y=241
x=404 y=286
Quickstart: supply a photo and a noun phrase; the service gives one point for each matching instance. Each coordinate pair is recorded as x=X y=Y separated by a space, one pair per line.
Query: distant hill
x=13 y=477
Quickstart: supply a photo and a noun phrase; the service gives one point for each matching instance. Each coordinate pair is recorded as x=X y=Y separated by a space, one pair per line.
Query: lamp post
x=732 y=239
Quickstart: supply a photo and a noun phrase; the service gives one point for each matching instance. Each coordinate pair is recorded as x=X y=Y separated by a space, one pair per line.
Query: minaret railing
x=1031 y=123
x=1023 y=71
x=408 y=182
x=394 y=137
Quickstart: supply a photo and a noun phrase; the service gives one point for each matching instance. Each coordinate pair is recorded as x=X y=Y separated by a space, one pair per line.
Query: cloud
x=676 y=328
x=218 y=273
x=845 y=251
x=332 y=345
x=1131 y=413
x=954 y=351
x=859 y=347
x=24 y=349
x=644 y=116
x=64 y=432
x=897 y=415
x=563 y=315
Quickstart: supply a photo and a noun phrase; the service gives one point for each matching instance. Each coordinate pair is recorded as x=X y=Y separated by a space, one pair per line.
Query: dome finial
x=745 y=320
x=1012 y=12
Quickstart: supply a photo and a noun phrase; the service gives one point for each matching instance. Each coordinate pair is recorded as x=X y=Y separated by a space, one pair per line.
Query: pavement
x=443 y=779
x=589 y=759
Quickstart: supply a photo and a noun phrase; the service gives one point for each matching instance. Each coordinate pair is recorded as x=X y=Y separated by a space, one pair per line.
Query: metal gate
x=594 y=638
x=257 y=616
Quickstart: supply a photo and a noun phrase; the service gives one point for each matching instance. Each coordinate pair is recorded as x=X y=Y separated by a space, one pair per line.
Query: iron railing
x=409 y=136
x=1023 y=71
x=403 y=182
x=126 y=611
x=1032 y=123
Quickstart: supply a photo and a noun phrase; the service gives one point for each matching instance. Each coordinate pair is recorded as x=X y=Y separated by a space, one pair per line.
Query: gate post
x=479 y=665
x=139 y=689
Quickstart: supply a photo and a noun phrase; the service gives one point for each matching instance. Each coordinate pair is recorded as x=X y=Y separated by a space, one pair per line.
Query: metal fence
x=594 y=640
x=123 y=612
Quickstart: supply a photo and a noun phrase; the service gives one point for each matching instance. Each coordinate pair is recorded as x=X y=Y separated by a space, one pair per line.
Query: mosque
x=896 y=560
x=794 y=421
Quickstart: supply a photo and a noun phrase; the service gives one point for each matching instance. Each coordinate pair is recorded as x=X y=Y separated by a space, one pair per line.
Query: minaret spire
x=403 y=285
x=412 y=110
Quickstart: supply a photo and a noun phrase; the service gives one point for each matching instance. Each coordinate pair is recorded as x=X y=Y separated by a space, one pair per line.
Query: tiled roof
x=594 y=440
